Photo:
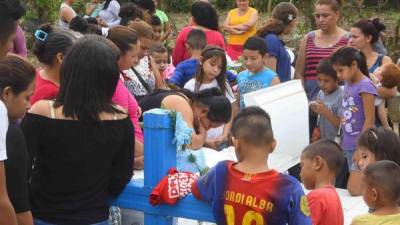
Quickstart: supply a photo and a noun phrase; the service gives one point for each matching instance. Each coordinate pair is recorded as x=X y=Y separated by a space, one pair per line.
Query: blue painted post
x=159 y=157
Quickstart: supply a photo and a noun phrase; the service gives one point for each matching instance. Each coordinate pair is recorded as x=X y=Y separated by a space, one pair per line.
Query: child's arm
x=320 y=108
x=387 y=92
x=299 y=208
x=369 y=110
x=383 y=115
x=275 y=81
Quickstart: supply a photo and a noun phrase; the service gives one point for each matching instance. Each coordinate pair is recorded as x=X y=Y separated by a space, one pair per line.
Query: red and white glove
x=172 y=187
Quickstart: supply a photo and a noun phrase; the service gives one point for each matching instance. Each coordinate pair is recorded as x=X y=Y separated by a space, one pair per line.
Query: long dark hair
x=15 y=73
x=208 y=53
x=205 y=15
x=370 y=28
x=382 y=142
x=220 y=109
x=282 y=15
x=345 y=56
x=89 y=76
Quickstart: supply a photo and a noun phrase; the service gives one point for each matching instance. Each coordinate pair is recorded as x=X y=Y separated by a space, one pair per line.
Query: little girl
x=358 y=110
x=212 y=73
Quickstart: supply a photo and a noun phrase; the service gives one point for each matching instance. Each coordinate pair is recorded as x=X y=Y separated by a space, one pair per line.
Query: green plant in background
x=177 y=5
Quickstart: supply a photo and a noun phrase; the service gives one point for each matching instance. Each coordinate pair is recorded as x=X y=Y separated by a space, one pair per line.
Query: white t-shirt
x=190 y=85
x=3 y=131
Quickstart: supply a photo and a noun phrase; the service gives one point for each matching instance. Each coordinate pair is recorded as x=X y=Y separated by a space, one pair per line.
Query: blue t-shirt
x=249 y=82
x=186 y=70
x=272 y=197
x=276 y=48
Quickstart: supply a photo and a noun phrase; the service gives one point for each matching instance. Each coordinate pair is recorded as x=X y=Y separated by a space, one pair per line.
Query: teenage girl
x=358 y=110
x=17 y=82
x=212 y=74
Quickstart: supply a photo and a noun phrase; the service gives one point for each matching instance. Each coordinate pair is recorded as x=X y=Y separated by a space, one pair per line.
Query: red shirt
x=44 y=89
x=180 y=52
x=325 y=206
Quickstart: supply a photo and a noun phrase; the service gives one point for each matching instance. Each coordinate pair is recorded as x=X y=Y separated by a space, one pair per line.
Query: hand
x=211 y=144
x=319 y=107
x=101 y=22
x=139 y=112
x=237 y=32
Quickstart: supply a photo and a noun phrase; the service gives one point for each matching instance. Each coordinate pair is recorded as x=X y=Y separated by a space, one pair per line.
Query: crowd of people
x=70 y=130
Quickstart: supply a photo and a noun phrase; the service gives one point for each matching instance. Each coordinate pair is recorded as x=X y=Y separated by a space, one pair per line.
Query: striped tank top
x=315 y=54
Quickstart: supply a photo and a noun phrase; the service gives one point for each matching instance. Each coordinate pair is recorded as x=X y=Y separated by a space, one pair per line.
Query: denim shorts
x=41 y=222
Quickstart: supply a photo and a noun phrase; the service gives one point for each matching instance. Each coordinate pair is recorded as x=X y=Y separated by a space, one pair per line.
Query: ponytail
x=49 y=42
x=220 y=109
x=346 y=55
x=282 y=15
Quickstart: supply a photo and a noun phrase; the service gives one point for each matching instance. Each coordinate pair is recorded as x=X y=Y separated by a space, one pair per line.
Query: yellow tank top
x=235 y=19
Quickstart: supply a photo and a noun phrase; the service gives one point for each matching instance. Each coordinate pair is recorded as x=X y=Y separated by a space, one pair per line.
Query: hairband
x=374 y=134
x=213 y=48
x=41 y=35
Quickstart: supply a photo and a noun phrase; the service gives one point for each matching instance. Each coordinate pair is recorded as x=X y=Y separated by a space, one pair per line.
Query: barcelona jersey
x=267 y=198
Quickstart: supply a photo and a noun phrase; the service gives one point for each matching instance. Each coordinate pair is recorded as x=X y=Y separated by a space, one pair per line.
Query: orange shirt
x=235 y=19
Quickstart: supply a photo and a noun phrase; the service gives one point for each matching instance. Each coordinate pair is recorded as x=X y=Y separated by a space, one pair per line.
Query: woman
x=80 y=145
x=109 y=13
x=319 y=44
x=17 y=81
x=283 y=22
x=144 y=77
x=66 y=14
x=209 y=24
x=10 y=13
x=363 y=35
x=201 y=110
x=50 y=53
x=240 y=24
x=127 y=42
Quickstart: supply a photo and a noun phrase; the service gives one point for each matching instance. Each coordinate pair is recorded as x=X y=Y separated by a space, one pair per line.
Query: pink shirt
x=180 y=52
x=125 y=99
x=325 y=206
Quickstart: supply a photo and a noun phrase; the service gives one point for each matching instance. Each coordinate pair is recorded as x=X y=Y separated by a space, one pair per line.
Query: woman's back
x=77 y=165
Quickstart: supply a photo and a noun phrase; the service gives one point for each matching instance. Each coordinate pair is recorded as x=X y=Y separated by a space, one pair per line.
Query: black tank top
x=154 y=100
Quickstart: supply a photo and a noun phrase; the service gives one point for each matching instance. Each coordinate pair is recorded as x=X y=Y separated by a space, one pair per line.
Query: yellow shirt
x=370 y=219
x=235 y=19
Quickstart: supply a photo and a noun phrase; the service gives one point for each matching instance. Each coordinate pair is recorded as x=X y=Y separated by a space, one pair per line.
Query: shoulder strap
x=379 y=60
x=52 y=111
x=140 y=78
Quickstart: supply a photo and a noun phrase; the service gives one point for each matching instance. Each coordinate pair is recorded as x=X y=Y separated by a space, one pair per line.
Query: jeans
x=41 y=222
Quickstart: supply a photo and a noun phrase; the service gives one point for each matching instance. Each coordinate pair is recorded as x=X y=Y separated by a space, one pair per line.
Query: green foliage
x=177 y=5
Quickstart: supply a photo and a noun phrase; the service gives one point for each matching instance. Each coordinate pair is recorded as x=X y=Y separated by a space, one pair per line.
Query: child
x=358 y=111
x=377 y=144
x=249 y=190
x=320 y=162
x=184 y=71
x=212 y=73
x=155 y=23
x=256 y=76
x=329 y=101
x=387 y=76
x=381 y=193
x=160 y=55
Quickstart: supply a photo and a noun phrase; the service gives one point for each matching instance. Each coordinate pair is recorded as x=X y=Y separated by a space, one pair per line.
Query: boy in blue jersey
x=256 y=76
x=249 y=191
